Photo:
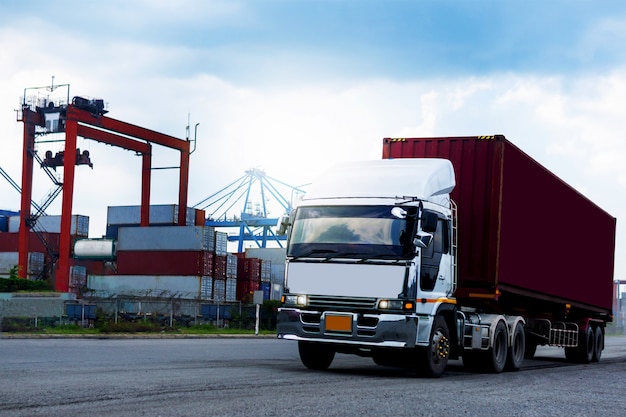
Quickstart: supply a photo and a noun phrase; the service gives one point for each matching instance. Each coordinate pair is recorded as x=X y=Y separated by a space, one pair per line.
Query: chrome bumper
x=367 y=330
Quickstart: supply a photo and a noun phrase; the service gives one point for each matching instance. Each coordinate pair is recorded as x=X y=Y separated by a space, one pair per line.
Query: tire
x=598 y=344
x=497 y=355
x=433 y=359
x=517 y=350
x=315 y=356
x=585 y=351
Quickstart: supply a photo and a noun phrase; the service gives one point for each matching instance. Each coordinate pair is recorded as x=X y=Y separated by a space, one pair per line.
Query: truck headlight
x=294 y=299
x=395 y=305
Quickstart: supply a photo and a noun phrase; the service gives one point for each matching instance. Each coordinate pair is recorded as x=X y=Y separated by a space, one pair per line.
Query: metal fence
x=176 y=312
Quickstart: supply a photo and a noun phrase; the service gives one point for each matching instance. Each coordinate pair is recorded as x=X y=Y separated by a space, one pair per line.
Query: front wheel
x=315 y=356
x=434 y=358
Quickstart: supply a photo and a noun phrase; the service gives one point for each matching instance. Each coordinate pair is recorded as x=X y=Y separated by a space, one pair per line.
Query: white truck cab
x=370 y=265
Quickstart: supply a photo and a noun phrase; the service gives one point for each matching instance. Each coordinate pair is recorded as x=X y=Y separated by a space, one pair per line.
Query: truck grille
x=324 y=302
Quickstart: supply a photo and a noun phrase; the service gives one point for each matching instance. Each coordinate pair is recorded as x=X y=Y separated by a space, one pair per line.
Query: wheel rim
x=441 y=347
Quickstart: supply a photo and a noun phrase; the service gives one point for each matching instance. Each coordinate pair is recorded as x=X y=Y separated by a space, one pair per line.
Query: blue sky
x=294 y=86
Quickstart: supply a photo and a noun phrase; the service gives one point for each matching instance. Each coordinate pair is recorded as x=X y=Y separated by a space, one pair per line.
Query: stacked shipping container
x=46 y=240
x=176 y=251
x=161 y=258
x=160 y=215
x=52 y=224
x=253 y=274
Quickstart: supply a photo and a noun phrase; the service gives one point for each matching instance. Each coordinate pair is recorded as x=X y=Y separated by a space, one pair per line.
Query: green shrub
x=15 y=284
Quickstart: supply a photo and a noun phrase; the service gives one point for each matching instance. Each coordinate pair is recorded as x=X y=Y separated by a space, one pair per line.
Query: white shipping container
x=219 y=290
x=166 y=286
x=231 y=266
x=221 y=243
x=78 y=276
x=52 y=224
x=166 y=238
x=206 y=290
x=8 y=260
x=231 y=289
x=159 y=214
x=266 y=271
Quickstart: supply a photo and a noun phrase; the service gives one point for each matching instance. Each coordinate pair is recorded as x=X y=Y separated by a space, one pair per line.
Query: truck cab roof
x=430 y=179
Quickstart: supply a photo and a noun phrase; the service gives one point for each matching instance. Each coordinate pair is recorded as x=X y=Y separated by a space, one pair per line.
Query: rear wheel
x=492 y=360
x=433 y=359
x=517 y=349
x=316 y=355
x=496 y=356
x=584 y=352
x=598 y=344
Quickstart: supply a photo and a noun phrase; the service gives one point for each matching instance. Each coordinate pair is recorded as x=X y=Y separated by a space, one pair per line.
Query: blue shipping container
x=75 y=311
x=266 y=288
x=209 y=311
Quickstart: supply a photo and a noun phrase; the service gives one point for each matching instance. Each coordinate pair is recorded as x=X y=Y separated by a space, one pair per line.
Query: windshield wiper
x=312 y=252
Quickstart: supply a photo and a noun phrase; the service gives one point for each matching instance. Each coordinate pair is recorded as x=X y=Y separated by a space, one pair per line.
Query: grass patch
x=27 y=326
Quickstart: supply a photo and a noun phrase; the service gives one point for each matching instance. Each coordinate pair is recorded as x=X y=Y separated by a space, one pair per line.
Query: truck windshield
x=348 y=232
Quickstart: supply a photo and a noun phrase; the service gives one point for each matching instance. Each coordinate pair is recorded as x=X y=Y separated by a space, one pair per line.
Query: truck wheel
x=598 y=344
x=517 y=349
x=586 y=346
x=497 y=355
x=315 y=355
x=583 y=353
x=434 y=358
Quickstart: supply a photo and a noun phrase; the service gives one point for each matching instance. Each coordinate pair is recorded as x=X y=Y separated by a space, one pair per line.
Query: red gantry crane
x=85 y=118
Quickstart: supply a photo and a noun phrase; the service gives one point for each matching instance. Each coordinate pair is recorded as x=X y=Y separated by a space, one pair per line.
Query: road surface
x=264 y=377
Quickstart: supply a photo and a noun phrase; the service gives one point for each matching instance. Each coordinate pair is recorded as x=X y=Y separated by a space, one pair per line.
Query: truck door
x=435 y=261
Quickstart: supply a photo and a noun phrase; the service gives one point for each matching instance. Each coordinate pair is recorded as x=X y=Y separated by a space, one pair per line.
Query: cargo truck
x=446 y=248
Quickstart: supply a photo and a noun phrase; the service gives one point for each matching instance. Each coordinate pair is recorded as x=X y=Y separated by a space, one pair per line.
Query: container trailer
x=447 y=248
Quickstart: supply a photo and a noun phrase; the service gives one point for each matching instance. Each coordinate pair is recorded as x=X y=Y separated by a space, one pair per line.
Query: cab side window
x=431 y=256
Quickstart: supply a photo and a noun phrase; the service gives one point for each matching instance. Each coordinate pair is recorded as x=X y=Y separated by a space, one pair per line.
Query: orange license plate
x=338 y=323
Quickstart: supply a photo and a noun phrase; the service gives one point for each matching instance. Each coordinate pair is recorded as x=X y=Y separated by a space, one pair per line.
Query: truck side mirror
x=423 y=240
x=282 y=225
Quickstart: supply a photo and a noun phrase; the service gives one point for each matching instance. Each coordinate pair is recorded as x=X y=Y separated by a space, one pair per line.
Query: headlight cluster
x=294 y=299
x=403 y=305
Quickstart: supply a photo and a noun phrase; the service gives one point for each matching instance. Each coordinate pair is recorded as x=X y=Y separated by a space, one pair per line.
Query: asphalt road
x=264 y=377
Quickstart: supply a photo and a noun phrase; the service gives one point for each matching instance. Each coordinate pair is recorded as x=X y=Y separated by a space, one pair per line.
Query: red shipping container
x=9 y=241
x=200 y=217
x=246 y=288
x=520 y=226
x=254 y=268
x=220 y=263
x=165 y=263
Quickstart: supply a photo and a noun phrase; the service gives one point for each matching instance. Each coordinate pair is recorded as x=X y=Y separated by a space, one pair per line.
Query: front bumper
x=359 y=329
